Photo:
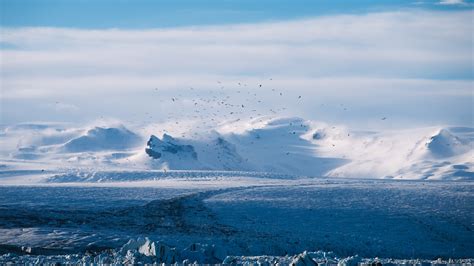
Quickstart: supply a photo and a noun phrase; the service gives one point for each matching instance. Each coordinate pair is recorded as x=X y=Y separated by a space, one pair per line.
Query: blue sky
x=171 y=13
x=352 y=61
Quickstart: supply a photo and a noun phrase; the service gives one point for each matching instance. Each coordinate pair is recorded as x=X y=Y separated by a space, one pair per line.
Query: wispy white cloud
x=403 y=44
x=404 y=53
x=452 y=2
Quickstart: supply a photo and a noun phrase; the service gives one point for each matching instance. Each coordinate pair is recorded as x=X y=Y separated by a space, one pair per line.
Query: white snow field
x=261 y=191
x=291 y=146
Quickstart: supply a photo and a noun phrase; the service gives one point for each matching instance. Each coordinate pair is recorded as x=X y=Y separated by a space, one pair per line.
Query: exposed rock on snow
x=168 y=146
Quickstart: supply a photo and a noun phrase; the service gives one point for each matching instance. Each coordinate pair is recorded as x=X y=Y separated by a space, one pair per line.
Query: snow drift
x=98 y=139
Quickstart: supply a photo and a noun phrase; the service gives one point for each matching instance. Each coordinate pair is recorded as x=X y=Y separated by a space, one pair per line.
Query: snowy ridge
x=290 y=145
x=446 y=154
x=98 y=139
x=266 y=145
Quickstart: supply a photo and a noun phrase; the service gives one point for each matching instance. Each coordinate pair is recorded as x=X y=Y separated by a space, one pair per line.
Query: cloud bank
x=395 y=54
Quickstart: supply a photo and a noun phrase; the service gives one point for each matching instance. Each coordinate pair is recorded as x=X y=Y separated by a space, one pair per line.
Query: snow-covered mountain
x=426 y=153
x=265 y=145
x=291 y=146
x=99 y=139
x=299 y=147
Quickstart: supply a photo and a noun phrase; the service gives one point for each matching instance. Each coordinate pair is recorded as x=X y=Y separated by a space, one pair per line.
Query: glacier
x=260 y=191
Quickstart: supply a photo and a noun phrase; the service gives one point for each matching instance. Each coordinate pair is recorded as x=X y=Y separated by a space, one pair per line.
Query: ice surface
x=146 y=251
x=245 y=217
x=127 y=176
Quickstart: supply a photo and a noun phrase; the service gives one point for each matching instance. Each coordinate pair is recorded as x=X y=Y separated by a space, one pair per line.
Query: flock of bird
x=210 y=107
x=232 y=101
x=239 y=102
